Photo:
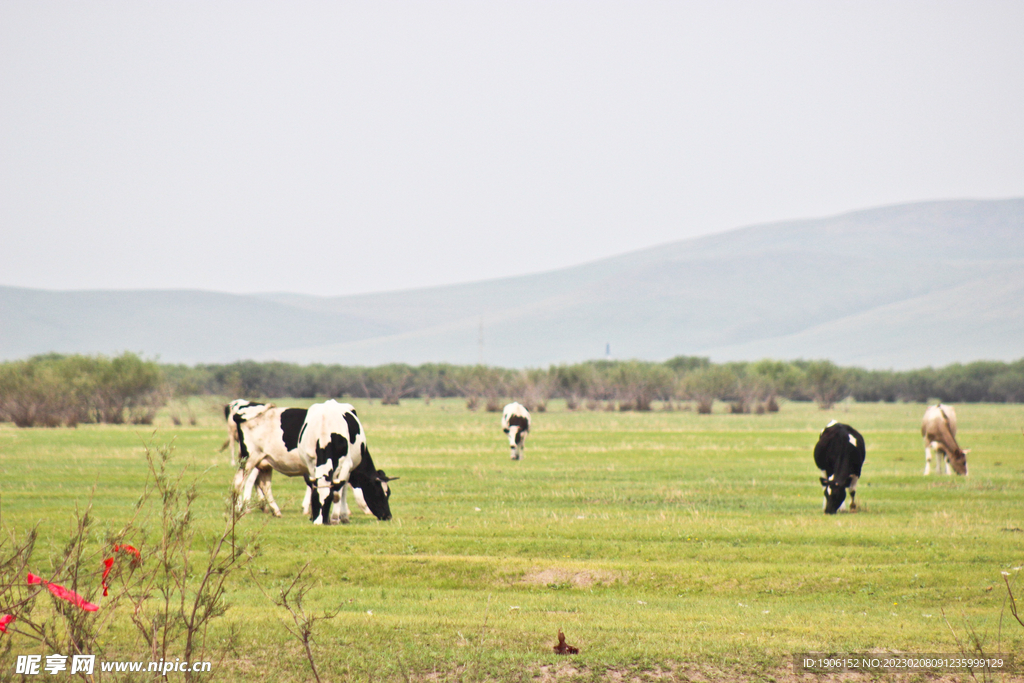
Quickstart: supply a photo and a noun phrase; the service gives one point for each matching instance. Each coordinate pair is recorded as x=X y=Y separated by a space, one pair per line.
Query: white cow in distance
x=939 y=431
x=515 y=421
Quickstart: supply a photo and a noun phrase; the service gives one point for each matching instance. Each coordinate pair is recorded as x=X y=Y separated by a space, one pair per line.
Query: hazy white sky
x=343 y=147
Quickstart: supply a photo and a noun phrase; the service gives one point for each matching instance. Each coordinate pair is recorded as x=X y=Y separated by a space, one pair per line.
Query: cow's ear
x=967 y=451
x=823 y=480
x=383 y=477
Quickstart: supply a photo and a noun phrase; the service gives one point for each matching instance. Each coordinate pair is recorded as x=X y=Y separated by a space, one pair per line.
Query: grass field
x=662 y=543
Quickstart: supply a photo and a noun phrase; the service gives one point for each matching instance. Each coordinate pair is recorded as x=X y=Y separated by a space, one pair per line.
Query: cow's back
x=269 y=430
x=840 y=450
x=938 y=422
x=515 y=414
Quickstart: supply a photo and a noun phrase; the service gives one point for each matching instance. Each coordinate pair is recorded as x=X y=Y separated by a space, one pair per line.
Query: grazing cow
x=267 y=440
x=839 y=454
x=230 y=410
x=939 y=431
x=333 y=446
x=515 y=421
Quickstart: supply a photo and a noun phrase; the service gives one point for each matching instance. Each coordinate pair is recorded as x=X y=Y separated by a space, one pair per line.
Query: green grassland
x=659 y=542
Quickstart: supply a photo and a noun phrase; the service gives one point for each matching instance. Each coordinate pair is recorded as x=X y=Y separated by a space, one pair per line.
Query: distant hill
x=901 y=286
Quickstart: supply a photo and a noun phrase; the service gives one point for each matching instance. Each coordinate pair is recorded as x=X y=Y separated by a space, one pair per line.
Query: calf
x=333 y=447
x=839 y=454
x=939 y=431
x=515 y=421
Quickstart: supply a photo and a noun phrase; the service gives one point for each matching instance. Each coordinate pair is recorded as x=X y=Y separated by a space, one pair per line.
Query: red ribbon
x=4 y=620
x=63 y=593
x=107 y=564
x=129 y=549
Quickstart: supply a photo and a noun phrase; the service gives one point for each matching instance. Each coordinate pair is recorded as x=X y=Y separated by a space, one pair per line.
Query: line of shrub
x=57 y=390
x=747 y=386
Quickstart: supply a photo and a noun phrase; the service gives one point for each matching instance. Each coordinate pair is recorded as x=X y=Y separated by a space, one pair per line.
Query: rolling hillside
x=902 y=286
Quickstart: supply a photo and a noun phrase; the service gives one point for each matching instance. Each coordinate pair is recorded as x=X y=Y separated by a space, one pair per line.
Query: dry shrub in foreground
x=173 y=582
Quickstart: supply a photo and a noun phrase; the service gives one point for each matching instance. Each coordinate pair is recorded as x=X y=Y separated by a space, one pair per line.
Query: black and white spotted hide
x=239 y=405
x=334 y=447
x=267 y=439
x=839 y=454
x=515 y=421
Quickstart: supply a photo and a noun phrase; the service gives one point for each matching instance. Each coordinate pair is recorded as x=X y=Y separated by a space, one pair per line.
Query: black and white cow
x=230 y=410
x=839 y=454
x=333 y=446
x=267 y=439
x=515 y=421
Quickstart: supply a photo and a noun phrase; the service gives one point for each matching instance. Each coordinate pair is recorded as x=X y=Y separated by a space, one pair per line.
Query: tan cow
x=939 y=431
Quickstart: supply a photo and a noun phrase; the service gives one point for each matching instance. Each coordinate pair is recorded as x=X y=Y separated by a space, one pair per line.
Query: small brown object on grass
x=564 y=649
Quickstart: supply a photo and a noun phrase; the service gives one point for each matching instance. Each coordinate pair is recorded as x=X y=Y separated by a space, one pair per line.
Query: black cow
x=839 y=454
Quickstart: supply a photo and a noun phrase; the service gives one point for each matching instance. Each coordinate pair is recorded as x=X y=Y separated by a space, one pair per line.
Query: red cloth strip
x=107 y=564
x=63 y=593
x=129 y=549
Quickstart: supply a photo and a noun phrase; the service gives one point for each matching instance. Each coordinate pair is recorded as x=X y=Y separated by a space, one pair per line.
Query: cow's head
x=372 y=492
x=835 y=494
x=958 y=459
x=515 y=441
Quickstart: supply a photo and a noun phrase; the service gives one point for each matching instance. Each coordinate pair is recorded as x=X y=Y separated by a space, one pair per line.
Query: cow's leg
x=263 y=482
x=340 y=513
x=307 y=500
x=250 y=475
x=927 y=459
x=357 y=496
x=852 y=490
x=320 y=496
x=315 y=501
x=945 y=459
x=237 y=482
x=242 y=486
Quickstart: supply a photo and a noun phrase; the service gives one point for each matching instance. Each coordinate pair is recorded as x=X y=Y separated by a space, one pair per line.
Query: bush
x=826 y=382
x=54 y=390
x=706 y=385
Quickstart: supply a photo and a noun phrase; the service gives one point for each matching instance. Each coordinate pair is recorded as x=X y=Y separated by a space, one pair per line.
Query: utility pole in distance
x=480 y=343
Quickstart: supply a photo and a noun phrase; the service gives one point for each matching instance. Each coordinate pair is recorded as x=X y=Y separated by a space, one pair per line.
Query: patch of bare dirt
x=696 y=673
x=577 y=579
